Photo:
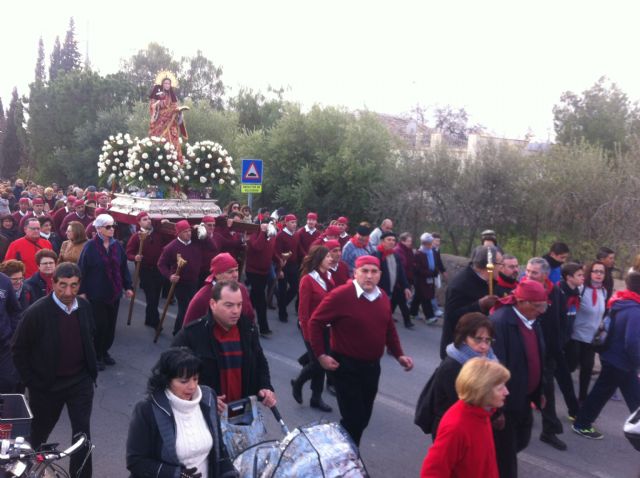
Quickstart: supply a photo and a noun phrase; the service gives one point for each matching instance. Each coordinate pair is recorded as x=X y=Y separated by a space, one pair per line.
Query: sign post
x=251 y=178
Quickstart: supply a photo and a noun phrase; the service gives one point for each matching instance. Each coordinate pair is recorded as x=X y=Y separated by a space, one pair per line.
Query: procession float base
x=124 y=208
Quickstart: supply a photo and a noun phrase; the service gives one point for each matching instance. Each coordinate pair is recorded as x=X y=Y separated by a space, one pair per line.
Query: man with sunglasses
x=519 y=347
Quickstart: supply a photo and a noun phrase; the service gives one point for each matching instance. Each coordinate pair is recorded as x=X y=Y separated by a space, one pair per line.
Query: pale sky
x=506 y=62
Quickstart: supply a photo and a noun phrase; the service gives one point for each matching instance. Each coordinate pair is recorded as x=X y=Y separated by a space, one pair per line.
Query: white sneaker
x=431 y=321
x=439 y=313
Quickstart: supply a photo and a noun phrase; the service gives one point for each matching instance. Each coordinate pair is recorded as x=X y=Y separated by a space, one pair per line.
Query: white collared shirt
x=316 y=276
x=309 y=230
x=370 y=296
x=185 y=243
x=527 y=323
x=74 y=306
x=286 y=229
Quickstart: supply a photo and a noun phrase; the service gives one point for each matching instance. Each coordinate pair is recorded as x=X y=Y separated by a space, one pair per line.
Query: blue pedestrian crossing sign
x=251 y=171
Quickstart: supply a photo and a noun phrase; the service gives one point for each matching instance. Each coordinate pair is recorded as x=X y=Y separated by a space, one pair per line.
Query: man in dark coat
x=393 y=279
x=54 y=355
x=216 y=340
x=468 y=292
x=520 y=347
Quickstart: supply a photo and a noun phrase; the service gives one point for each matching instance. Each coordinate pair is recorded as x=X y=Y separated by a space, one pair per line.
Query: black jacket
x=462 y=296
x=36 y=286
x=385 y=279
x=509 y=348
x=445 y=393
x=198 y=336
x=36 y=343
x=151 y=448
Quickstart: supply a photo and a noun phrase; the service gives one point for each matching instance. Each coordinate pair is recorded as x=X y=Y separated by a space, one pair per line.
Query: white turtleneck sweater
x=193 y=438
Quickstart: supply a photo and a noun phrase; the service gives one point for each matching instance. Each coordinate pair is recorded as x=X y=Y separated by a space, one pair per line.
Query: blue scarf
x=431 y=263
x=464 y=352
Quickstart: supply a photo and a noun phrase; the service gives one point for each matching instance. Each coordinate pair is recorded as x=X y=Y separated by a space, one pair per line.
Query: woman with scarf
x=40 y=284
x=175 y=430
x=105 y=276
x=474 y=336
x=465 y=445
x=579 y=351
x=315 y=284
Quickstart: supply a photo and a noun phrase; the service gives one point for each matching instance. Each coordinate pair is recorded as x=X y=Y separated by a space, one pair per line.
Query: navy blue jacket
x=10 y=311
x=95 y=282
x=401 y=276
x=624 y=349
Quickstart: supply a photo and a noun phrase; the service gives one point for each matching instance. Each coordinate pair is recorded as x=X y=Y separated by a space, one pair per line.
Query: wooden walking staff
x=181 y=264
x=490 y=267
x=136 y=275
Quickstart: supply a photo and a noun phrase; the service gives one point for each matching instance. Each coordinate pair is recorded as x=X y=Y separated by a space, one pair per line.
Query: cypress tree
x=55 y=66
x=70 y=58
x=40 y=74
x=13 y=146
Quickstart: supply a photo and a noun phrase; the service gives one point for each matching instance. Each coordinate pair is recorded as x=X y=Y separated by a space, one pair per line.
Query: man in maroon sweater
x=307 y=235
x=61 y=213
x=79 y=214
x=151 y=279
x=259 y=261
x=361 y=326
x=23 y=205
x=288 y=265
x=187 y=281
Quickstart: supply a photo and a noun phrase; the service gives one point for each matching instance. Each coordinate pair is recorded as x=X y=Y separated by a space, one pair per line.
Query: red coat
x=311 y=294
x=464 y=445
x=25 y=250
x=199 y=305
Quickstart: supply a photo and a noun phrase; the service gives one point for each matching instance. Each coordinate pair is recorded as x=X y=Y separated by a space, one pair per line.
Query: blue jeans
x=609 y=380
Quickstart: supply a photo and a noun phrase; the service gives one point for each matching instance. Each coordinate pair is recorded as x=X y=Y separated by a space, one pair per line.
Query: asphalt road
x=392 y=446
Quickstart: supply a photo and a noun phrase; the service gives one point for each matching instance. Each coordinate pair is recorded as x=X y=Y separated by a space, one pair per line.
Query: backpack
x=602 y=338
x=425 y=408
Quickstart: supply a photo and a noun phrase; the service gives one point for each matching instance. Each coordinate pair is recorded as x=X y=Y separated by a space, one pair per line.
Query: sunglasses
x=109 y=226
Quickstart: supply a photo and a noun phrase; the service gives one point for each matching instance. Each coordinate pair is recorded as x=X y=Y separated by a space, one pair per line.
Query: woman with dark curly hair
x=175 y=431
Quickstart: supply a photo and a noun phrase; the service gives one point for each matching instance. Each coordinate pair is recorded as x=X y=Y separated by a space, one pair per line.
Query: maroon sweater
x=73 y=216
x=285 y=242
x=360 y=329
x=151 y=249
x=191 y=253
x=259 y=253
x=305 y=240
x=341 y=275
x=533 y=357
x=71 y=360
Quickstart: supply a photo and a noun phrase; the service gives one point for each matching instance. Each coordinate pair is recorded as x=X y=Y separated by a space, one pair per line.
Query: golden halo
x=167 y=74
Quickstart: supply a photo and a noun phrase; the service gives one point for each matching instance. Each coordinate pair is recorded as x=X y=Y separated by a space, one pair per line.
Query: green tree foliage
x=70 y=58
x=255 y=110
x=141 y=69
x=40 y=71
x=14 y=143
x=201 y=80
x=55 y=62
x=454 y=123
x=602 y=116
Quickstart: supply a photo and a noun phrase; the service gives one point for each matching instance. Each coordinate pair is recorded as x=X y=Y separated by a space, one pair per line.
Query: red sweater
x=464 y=445
x=259 y=253
x=305 y=240
x=25 y=250
x=341 y=275
x=285 y=242
x=199 y=305
x=73 y=216
x=311 y=294
x=169 y=260
x=58 y=217
x=360 y=329
x=151 y=249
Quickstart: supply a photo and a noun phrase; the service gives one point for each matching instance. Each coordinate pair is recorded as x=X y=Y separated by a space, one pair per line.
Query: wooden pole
x=181 y=264
x=136 y=275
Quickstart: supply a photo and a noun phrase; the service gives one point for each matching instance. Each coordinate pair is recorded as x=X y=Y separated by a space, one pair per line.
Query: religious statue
x=167 y=120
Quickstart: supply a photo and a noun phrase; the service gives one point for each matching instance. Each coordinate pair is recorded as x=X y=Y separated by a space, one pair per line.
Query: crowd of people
x=507 y=336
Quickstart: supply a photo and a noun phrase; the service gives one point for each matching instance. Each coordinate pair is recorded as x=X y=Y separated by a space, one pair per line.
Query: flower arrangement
x=153 y=161
x=208 y=163
x=115 y=153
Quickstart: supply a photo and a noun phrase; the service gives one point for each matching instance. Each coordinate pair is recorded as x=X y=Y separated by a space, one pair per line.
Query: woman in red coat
x=316 y=282
x=464 y=445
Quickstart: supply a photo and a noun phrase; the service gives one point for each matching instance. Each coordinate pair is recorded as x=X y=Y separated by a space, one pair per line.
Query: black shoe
x=100 y=365
x=296 y=391
x=553 y=440
x=108 y=360
x=265 y=333
x=320 y=405
x=409 y=325
x=331 y=389
x=303 y=359
x=283 y=318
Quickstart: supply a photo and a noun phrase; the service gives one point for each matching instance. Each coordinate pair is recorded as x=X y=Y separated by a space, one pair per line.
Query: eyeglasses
x=17 y=280
x=597 y=271
x=48 y=263
x=109 y=226
x=33 y=228
x=483 y=340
